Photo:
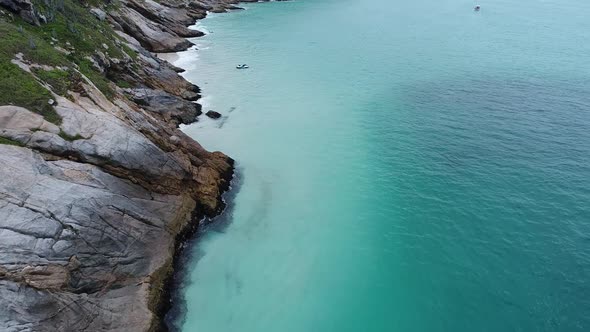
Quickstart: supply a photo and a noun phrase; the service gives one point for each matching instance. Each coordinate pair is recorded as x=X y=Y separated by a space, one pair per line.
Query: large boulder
x=98 y=13
x=213 y=115
x=169 y=107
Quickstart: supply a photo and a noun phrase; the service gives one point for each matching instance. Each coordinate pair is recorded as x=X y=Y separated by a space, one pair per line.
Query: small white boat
x=244 y=66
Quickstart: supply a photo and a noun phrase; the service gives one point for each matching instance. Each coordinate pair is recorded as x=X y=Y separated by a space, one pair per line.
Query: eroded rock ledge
x=92 y=206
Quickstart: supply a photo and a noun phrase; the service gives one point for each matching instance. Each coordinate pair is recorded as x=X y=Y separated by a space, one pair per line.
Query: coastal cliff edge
x=98 y=185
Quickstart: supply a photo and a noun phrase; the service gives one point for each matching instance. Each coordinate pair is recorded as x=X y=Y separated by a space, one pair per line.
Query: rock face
x=92 y=207
x=152 y=35
x=79 y=245
x=24 y=8
x=98 y=13
x=90 y=212
x=168 y=106
x=161 y=26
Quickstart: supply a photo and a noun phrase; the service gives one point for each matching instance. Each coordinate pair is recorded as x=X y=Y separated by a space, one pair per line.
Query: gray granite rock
x=99 y=13
x=152 y=35
x=78 y=245
x=90 y=212
x=18 y=118
x=175 y=19
x=169 y=107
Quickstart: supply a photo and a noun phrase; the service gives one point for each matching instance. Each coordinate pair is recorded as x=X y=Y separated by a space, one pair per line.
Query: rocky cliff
x=98 y=186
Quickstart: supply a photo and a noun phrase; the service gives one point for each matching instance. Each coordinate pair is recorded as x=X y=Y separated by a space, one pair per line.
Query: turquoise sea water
x=404 y=166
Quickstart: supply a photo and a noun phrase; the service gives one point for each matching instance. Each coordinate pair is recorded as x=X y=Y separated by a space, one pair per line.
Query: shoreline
x=175 y=309
x=173 y=305
x=125 y=189
x=128 y=187
x=187 y=235
x=170 y=57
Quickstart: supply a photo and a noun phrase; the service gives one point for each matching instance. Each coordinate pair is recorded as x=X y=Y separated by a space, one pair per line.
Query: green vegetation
x=20 y=37
x=131 y=53
x=67 y=137
x=8 y=141
x=70 y=22
x=20 y=88
x=59 y=80
x=101 y=82
x=123 y=84
x=70 y=37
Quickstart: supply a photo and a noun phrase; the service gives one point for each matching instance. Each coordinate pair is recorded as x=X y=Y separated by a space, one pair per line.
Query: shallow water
x=404 y=166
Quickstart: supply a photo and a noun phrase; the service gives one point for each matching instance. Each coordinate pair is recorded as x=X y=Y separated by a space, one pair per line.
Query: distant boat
x=477 y=8
x=244 y=66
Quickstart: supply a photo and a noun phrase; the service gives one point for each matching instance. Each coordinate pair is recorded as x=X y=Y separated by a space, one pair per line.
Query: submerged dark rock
x=213 y=114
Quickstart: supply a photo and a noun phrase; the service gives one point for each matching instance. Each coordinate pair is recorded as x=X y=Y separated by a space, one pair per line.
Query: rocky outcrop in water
x=97 y=191
x=213 y=114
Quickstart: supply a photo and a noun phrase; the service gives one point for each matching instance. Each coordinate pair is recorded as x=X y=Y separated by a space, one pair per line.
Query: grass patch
x=71 y=21
x=101 y=82
x=71 y=27
x=20 y=37
x=69 y=138
x=123 y=84
x=7 y=141
x=131 y=53
x=20 y=88
x=75 y=24
x=59 y=80
x=51 y=115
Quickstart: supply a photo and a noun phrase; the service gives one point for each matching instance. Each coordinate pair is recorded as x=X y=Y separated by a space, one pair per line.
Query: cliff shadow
x=190 y=254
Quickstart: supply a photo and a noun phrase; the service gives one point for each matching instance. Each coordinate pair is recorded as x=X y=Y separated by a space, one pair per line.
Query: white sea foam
x=199 y=26
x=205 y=101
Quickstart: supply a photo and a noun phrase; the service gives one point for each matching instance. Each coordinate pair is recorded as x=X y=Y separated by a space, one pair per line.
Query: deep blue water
x=404 y=166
